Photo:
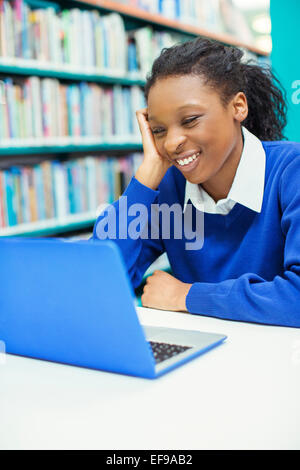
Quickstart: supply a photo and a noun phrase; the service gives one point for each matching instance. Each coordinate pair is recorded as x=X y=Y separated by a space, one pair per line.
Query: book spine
x=40 y=198
x=82 y=185
x=46 y=105
x=65 y=22
x=19 y=111
x=32 y=196
x=10 y=107
x=25 y=52
x=70 y=186
x=25 y=195
x=76 y=186
x=2 y=217
x=37 y=112
x=4 y=200
x=3 y=45
x=75 y=110
x=16 y=186
x=10 y=198
x=9 y=28
x=91 y=182
x=99 y=48
x=47 y=189
x=64 y=107
x=60 y=190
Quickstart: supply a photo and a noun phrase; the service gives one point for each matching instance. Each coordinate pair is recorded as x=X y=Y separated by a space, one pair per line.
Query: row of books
x=149 y=43
x=213 y=15
x=48 y=34
x=55 y=189
x=38 y=108
x=58 y=39
x=146 y=45
x=202 y=13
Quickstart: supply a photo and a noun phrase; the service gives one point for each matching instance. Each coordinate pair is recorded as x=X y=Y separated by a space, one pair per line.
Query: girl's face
x=188 y=120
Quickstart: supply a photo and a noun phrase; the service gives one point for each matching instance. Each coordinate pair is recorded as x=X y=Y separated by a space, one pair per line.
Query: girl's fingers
x=147 y=137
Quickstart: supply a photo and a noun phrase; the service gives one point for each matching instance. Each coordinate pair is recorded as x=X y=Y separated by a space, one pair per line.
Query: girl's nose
x=173 y=142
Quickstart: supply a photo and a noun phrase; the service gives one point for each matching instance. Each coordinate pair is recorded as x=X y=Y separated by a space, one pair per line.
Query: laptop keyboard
x=163 y=351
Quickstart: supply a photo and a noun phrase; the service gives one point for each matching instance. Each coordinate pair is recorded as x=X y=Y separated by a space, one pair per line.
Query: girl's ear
x=240 y=106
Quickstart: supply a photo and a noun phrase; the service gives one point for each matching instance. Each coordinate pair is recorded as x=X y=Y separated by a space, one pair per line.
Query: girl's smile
x=188 y=162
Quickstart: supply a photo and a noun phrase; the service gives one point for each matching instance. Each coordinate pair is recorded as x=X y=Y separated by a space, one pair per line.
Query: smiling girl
x=212 y=138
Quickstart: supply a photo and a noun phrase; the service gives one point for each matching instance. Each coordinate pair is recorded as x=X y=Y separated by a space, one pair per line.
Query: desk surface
x=243 y=394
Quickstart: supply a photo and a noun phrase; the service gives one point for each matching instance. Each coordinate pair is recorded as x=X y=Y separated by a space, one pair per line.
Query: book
x=91 y=182
x=25 y=195
x=3 y=46
x=54 y=189
x=40 y=194
x=37 y=113
x=48 y=189
x=61 y=197
x=10 y=198
x=2 y=208
x=32 y=196
x=38 y=109
x=17 y=194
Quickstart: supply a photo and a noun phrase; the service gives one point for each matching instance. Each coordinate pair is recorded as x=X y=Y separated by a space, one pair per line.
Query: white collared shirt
x=247 y=187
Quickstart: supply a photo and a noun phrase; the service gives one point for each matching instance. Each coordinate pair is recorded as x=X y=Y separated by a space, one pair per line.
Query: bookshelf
x=20 y=67
x=52 y=226
x=127 y=30
x=63 y=147
x=155 y=19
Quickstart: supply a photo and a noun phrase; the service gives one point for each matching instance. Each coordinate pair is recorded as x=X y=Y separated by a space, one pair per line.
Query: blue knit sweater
x=249 y=266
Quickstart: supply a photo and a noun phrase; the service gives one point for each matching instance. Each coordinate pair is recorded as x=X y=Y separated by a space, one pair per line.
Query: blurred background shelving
x=72 y=76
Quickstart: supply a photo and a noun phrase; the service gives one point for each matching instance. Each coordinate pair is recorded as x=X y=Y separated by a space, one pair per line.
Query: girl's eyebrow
x=188 y=105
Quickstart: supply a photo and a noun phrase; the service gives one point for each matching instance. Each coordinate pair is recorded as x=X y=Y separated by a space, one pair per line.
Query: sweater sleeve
x=128 y=216
x=250 y=297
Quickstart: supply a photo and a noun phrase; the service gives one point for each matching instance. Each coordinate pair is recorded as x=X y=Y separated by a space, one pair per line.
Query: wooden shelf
x=159 y=20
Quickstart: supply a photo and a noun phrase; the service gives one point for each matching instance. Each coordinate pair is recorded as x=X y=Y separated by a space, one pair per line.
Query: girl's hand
x=165 y=292
x=154 y=166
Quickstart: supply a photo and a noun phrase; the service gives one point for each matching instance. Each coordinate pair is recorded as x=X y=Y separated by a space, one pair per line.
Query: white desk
x=242 y=394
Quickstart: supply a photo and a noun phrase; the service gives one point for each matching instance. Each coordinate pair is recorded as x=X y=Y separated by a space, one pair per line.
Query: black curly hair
x=221 y=67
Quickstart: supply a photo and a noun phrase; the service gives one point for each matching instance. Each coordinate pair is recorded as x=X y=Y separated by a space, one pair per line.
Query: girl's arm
x=120 y=225
x=119 y=220
x=250 y=297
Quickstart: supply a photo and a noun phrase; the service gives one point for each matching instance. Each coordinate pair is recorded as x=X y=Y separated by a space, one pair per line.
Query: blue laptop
x=72 y=302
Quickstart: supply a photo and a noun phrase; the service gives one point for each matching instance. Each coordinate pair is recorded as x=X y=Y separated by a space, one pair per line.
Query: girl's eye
x=186 y=122
x=157 y=131
x=190 y=120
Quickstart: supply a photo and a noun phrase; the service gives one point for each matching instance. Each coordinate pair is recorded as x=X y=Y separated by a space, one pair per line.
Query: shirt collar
x=248 y=185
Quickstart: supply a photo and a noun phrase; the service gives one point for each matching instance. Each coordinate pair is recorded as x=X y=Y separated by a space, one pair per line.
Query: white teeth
x=188 y=160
